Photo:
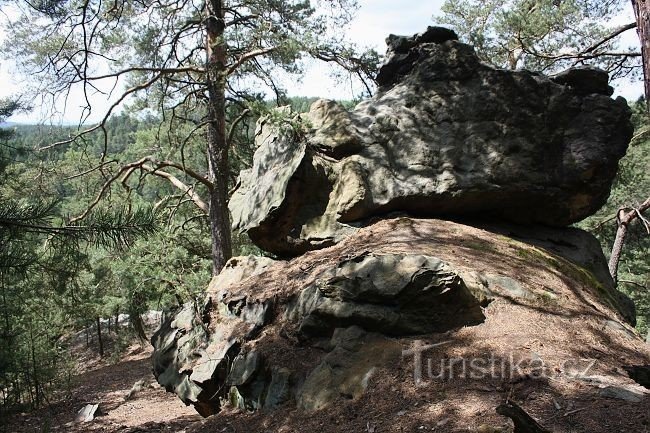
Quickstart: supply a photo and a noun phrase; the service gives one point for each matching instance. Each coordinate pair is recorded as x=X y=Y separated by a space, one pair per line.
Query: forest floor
x=387 y=407
x=149 y=410
x=390 y=405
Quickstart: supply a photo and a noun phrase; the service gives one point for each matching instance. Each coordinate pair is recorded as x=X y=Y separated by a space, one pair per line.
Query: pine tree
x=198 y=63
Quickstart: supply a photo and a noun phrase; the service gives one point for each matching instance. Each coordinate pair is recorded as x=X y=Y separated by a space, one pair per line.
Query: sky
x=375 y=20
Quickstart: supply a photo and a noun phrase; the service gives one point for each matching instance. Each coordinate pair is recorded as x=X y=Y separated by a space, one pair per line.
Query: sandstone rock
x=395 y=294
x=88 y=413
x=633 y=394
x=347 y=368
x=444 y=135
x=619 y=327
x=195 y=363
x=318 y=329
x=236 y=270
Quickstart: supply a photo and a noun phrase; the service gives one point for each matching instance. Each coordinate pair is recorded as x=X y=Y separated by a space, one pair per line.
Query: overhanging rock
x=444 y=135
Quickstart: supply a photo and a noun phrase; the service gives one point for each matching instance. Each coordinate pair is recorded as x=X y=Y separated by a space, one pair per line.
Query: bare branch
x=233 y=125
x=609 y=37
x=241 y=19
x=248 y=56
x=143 y=163
x=102 y=124
x=189 y=190
x=90 y=170
x=125 y=169
x=162 y=71
x=204 y=180
x=633 y=283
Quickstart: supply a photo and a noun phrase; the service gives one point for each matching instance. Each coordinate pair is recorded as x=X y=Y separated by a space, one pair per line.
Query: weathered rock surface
x=319 y=329
x=395 y=294
x=444 y=135
x=195 y=361
x=347 y=369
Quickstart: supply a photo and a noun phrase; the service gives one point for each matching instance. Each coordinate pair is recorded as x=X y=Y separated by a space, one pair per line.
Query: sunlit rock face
x=445 y=135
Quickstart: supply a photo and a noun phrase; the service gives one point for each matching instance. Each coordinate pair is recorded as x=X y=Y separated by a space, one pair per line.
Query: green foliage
x=542 y=35
x=57 y=276
x=7 y=108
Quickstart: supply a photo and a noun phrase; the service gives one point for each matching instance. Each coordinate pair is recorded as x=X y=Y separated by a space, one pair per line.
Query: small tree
x=40 y=259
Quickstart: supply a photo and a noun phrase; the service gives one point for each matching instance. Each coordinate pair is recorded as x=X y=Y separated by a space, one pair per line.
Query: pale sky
x=375 y=20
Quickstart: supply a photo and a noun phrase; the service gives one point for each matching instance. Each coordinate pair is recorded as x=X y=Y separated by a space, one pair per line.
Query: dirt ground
x=149 y=410
x=392 y=404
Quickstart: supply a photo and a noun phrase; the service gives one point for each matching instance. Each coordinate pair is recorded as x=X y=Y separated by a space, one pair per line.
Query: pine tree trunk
x=138 y=327
x=642 y=14
x=99 y=338
x=37 y=385
x=217 y=146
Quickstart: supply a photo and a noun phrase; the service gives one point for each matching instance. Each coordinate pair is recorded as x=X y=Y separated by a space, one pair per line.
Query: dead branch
x=624 y=217
x=610 y=36
x=163 y=71
x=634 y=283
x=246 y=57
x=102 y=124
x=524 y=423
x=90 y=170
x=233 y=125
x=147 y=164
x=189 y=190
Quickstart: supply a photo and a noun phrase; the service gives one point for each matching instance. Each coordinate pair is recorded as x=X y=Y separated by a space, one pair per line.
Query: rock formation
x=353 y=320
x=317 y=329
x=444 y=135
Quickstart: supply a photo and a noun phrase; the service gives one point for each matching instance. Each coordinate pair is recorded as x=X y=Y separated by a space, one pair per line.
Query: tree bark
x=624 y=217
x=99 y=337
x=37 y=385
x=642 y=14
x=217 y=145
x=138 y=327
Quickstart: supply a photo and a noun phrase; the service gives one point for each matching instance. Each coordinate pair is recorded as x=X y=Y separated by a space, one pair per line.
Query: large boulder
x=444 y=135
x=322 y=328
